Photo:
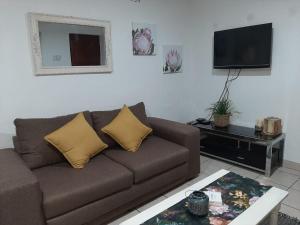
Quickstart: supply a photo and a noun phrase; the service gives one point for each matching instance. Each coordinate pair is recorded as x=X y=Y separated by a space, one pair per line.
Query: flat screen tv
x=247 y=47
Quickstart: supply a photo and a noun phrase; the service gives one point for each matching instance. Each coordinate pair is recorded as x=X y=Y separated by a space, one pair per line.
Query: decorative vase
x=221 y=120
x=198 y=203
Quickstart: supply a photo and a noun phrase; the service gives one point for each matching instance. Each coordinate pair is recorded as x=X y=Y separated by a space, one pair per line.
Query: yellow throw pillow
x=77 y=141
x=127 y=130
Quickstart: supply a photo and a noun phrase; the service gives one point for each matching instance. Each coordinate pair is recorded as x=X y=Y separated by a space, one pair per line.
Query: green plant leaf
x=222 y=107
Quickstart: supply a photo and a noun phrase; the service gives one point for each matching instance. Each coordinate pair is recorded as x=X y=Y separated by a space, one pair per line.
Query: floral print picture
x=144 y=40
x=172 y=59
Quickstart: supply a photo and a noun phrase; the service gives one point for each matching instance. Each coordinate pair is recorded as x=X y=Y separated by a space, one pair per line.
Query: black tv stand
x=242 y=146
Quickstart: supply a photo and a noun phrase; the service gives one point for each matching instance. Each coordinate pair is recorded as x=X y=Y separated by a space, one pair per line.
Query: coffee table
x=244 y=208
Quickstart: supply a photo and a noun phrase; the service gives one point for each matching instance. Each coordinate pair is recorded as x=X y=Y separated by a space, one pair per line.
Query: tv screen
x=247 y=47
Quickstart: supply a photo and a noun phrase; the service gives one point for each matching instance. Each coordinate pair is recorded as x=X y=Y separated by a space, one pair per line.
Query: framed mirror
x=69 y=45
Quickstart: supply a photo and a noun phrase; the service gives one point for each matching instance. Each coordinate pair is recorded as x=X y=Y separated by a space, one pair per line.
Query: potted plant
x=221 y=111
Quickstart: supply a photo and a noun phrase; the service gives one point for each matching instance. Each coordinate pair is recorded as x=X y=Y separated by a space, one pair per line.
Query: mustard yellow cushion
x=127 y=130
x=77 y=141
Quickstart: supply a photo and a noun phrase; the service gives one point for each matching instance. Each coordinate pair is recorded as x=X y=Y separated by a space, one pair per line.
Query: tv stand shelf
x=242 y=146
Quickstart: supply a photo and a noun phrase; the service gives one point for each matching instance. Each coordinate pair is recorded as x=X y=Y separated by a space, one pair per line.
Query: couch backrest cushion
x=103 y=118
x=34 y=150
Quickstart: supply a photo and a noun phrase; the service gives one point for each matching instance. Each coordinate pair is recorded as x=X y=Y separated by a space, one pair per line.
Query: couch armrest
x=20 y=194
x=181 y=134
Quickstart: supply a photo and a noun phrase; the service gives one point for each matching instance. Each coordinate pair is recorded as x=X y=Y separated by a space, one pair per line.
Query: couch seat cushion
x=155 y=156
x=65 y=189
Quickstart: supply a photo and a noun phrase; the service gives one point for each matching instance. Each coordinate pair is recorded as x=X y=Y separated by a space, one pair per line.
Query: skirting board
x=291 y=165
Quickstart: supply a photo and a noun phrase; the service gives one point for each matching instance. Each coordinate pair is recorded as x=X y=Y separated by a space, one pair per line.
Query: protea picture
x=144 y=39
x=172 y=59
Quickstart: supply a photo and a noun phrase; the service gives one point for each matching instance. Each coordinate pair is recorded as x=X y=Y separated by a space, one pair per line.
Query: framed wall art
x=173 y=59
x=144 y=39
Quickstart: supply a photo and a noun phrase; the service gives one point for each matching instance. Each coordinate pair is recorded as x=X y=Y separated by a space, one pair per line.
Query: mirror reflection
x=65 y=45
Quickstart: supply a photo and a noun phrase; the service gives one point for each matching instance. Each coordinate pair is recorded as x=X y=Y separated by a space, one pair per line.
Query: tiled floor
x=283 y=178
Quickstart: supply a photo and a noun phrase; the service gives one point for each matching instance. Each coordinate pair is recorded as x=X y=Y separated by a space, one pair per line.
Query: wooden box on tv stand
x=272 y=126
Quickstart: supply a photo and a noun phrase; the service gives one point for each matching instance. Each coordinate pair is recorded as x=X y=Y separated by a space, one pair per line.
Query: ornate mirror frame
x=39 y=69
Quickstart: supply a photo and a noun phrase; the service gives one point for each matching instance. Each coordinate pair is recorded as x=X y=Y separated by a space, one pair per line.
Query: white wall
x=260 y=92
x=54 y=41
x=134 y=78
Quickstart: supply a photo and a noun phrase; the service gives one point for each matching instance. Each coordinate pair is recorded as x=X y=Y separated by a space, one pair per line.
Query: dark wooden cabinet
x=242 y=146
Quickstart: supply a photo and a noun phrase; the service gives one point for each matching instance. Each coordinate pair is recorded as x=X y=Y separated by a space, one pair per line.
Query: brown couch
x=38 y=187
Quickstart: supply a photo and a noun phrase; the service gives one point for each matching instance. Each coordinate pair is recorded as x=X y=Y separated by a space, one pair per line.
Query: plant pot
x=221 y=120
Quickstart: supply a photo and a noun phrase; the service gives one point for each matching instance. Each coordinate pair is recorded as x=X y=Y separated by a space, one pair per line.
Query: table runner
x=238 y=194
